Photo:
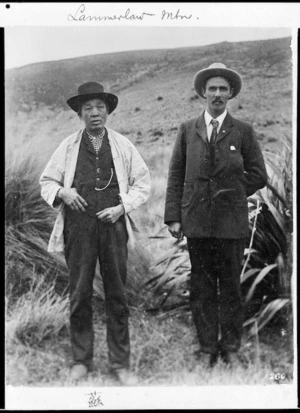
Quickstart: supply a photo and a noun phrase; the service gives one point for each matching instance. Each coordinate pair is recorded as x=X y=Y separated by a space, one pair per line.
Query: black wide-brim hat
x=217 y=69
x=93 y=90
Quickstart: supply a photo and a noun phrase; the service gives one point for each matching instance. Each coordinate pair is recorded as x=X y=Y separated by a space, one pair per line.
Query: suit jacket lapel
x=226 y=127
x=87 y=142
x=105 y=146
x=200 y=128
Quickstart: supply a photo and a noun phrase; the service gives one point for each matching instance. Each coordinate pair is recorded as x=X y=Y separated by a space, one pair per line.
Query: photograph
x=150 y=225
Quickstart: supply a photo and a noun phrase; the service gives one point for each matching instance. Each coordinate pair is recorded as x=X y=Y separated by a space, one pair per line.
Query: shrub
x=157 y=133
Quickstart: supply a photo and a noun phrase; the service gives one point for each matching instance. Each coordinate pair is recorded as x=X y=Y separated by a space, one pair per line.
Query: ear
x=203 y=92
x=231 y=92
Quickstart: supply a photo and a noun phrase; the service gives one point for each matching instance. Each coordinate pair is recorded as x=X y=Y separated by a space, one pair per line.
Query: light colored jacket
x=132 y=175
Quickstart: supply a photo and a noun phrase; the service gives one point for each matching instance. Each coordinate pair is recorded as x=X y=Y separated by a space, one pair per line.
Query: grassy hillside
x=51 y=83
x=155 y=90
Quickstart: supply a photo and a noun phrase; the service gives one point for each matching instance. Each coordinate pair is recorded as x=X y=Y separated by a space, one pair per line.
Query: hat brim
x=110 y=100
x=202 y=76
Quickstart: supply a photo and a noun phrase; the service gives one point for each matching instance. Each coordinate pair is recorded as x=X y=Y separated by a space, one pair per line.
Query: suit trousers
x=86 y=240
x=215 y=293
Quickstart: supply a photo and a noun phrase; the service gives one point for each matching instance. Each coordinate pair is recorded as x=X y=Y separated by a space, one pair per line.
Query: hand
x=111 y=215
x=175 y=230
x=71 y=198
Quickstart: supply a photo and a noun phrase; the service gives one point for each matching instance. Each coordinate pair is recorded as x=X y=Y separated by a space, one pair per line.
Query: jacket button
x=98 y=179
x=98 y=170
x=205 y=160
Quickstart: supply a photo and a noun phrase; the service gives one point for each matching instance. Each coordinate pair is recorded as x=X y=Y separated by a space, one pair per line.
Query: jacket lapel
x=226 y=127
x=71 y=158
x=200 y=128
x=105 y=146
x=87 y=142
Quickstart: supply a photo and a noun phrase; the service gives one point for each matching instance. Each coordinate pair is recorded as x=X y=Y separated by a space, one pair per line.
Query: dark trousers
x=86 y=240
x=215 y=294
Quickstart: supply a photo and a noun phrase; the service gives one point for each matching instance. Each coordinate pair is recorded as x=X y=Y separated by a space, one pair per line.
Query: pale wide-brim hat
x=93 y=90
x=217 y=69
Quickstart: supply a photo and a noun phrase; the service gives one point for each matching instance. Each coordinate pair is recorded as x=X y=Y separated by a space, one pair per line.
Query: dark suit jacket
x=209 y=196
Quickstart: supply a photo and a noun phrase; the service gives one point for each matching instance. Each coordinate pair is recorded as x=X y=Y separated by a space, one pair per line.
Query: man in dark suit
x=216 y=164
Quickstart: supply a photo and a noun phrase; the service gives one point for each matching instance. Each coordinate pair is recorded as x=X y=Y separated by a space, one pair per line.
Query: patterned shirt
x=96 y=141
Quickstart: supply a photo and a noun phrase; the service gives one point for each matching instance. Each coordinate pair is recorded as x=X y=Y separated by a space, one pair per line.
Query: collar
x=220 y=119
x=98 y=137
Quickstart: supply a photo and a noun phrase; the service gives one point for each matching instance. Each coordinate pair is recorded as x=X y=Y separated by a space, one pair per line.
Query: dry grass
x=162 y=353
x=37 y=316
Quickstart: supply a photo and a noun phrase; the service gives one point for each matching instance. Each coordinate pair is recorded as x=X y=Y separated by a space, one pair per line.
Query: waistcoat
x=95 y=177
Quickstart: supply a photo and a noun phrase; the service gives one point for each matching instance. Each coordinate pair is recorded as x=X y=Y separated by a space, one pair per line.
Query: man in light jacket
x=94 y=179
x=216 y=164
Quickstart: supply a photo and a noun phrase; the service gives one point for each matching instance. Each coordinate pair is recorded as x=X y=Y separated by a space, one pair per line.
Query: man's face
x=217 y=92
x=94 y=115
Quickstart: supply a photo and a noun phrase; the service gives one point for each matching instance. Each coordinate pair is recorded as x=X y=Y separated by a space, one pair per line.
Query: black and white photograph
x=150 y=224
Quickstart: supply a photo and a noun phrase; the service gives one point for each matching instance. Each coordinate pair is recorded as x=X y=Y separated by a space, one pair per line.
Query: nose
x=95 y=112
x=217 y=92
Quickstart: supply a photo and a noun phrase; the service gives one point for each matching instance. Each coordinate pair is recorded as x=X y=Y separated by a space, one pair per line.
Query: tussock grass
x=162 y=354
x=28 y=224
x=37 y=316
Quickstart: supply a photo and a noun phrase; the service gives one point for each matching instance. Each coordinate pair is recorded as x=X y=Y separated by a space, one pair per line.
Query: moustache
x=217 y=100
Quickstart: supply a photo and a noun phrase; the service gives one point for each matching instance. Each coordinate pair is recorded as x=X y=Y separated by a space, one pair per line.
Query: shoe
x=125 y=377
x=208 y=359
x=78 y=371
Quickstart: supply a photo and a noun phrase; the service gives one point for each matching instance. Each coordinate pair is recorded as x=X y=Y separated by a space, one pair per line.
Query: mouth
x=96 y=121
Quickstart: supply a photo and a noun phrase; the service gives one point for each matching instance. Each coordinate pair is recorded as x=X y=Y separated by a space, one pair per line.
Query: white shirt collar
x=220 y=118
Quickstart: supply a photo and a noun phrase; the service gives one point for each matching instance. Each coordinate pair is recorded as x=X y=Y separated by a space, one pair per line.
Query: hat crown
x=90 y=88
x=217 y=66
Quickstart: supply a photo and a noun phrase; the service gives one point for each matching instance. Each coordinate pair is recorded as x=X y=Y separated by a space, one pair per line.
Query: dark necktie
x=213 y=138
x=214 y=133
